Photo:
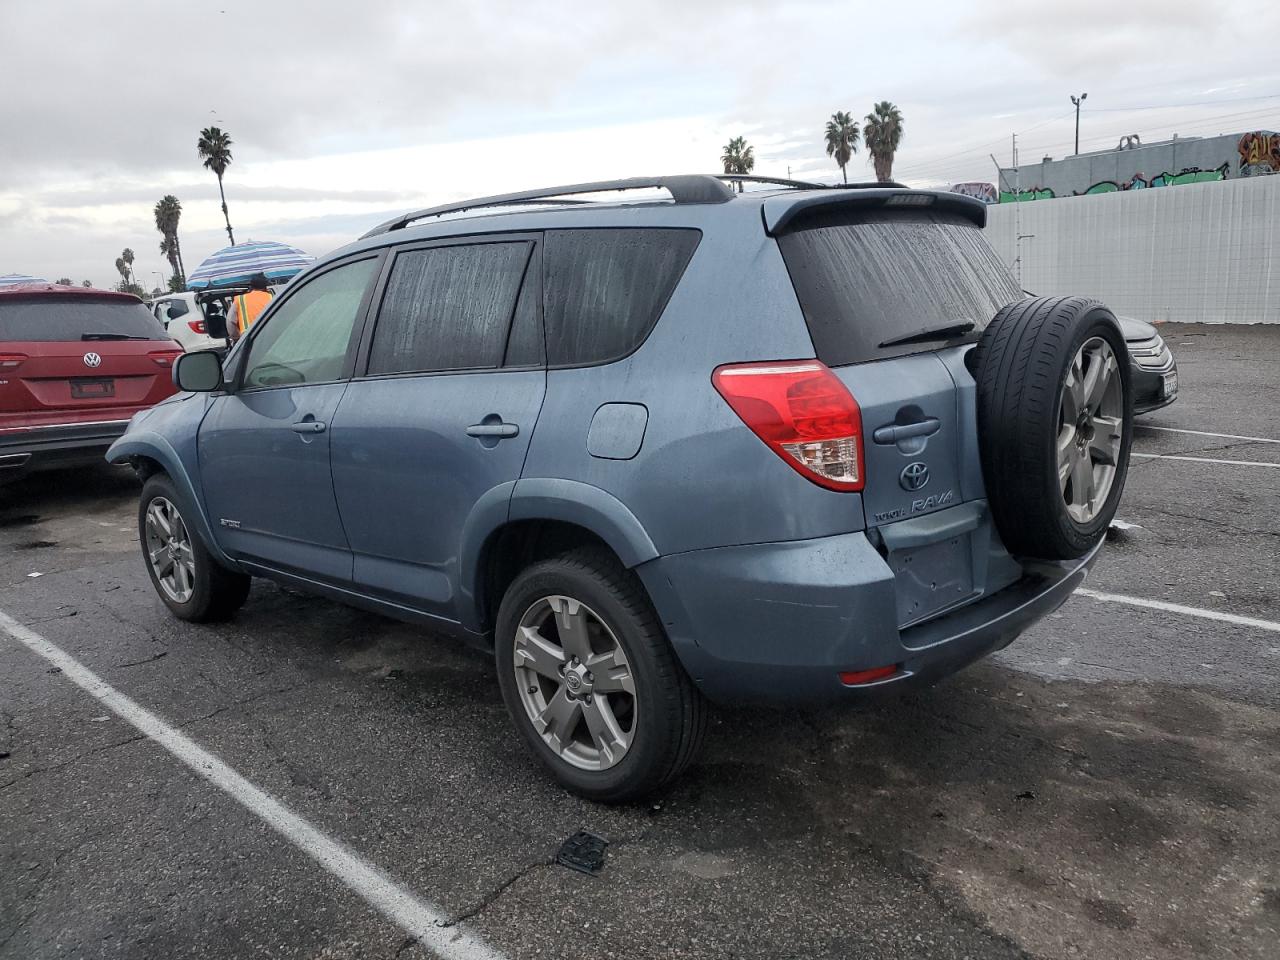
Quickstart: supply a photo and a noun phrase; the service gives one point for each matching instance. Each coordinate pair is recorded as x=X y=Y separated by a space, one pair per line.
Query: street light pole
x=1077 y=101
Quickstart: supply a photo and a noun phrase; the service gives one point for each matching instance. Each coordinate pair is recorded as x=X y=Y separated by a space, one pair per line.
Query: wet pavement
x=1109 y=786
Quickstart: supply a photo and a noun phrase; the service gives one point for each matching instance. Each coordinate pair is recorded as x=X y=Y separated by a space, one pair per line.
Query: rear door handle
x=309 y=426
x=905 y=431
x=493 y=430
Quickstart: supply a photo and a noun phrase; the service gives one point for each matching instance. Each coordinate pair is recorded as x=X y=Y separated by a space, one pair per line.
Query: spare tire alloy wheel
x=1090 y=429
x=169 y=551
x=575 y=683
x=1055 y=418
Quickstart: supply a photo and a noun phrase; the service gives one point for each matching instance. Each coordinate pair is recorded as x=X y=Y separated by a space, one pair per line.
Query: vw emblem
x=92 y=360
x=914 y=476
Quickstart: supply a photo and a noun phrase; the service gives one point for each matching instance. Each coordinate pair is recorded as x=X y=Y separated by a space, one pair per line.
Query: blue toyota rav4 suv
x=793 y=444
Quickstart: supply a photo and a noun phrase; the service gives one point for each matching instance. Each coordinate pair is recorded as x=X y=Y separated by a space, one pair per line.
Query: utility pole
x=1018 y=235
x=1077 y=101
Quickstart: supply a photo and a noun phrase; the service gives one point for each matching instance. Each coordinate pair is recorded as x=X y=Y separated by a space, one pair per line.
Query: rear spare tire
x=1055 y=423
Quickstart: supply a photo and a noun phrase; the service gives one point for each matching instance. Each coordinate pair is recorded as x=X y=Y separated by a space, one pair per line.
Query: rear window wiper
x=942 y=332
x=110 y=336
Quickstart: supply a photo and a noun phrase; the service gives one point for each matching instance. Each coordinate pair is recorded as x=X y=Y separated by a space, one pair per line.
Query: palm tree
x=168 y=211
x=882 y=135
x=127 y=256
x=214 y=148
x=842 y=140
x=122 y=268
x=738 y=157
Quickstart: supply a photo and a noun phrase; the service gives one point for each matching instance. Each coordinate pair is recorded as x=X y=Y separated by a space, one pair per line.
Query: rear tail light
x=197 y=326
x=10 y=360
x=164 y=358
x=804 y=413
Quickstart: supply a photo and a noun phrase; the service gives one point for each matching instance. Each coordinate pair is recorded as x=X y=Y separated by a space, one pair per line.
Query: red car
x=75 y=365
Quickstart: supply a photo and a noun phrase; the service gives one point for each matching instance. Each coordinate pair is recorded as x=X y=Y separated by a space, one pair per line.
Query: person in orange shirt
x=247 y=307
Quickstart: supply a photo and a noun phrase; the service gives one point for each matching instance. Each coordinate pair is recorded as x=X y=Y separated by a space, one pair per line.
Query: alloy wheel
x=169 y=551
x=1090 y=429
x=575 y=683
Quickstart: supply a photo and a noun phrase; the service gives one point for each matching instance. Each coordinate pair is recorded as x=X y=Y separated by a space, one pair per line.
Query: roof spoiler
x=781 y=212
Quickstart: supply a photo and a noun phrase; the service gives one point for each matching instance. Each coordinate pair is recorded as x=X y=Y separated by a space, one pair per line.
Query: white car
x=183 y=319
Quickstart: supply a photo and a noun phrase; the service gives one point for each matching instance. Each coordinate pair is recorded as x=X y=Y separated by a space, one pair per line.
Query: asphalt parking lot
x=1109 y=786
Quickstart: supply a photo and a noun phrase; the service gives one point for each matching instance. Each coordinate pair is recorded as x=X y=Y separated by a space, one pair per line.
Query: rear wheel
x=184 y=573
x=590 y=680
x=1055 y=422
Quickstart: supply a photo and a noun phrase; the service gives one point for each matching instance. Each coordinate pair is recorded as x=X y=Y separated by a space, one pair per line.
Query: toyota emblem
x=914 y=476
x=92 y=360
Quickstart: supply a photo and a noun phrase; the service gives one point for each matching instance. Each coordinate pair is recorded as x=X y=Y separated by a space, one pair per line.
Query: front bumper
x=1147 y=375
x=56 y=445
x=779 y=622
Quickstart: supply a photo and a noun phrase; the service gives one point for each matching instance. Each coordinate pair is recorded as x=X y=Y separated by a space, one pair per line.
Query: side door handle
x=499 y=430
x=309 y=426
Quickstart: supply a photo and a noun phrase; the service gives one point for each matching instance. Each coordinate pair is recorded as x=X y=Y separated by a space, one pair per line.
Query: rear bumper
x=55 y=445
x=779 y=622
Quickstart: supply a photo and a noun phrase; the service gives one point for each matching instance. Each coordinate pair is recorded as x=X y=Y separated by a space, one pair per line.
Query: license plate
x=92 y=389
x=1170 y=385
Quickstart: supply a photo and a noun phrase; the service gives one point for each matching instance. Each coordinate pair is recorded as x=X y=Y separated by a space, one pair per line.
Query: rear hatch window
x=865 y=281
x=63 y=318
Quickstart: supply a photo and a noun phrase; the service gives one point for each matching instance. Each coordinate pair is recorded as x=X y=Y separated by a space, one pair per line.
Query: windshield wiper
x=110 y=336
x=944 y=332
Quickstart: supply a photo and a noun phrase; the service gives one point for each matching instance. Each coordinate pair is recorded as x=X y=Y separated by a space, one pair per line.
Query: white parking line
x=1231 y=463
x=418 y=918
x=1206 y=433
x=1238 y=620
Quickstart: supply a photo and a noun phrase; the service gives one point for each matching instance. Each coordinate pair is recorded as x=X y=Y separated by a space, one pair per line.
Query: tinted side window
x=526 y=346
x=448 y=308
x=605 y=289
x=306 y=339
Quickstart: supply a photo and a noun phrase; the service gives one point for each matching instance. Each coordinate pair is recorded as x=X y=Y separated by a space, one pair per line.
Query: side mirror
x=198 y=372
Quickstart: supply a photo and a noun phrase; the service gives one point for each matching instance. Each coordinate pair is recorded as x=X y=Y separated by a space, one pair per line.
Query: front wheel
x=590 y=680
x=185 y=575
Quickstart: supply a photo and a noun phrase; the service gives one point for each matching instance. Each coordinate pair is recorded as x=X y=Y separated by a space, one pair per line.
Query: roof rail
x=779 y=181
x=689 y=188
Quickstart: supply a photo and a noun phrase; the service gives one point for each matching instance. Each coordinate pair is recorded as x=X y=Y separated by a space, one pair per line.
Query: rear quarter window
x=64 y=318
x=605 y=289
x=863 y=281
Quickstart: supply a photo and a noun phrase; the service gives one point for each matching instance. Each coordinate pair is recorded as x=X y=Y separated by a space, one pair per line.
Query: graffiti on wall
x=979 y=190
x=1140 y=181
x=1259 y=154
x=1030 y=193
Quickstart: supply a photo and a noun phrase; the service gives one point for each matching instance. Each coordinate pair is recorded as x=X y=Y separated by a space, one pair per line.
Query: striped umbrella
x=234 y=265
x=16 y=279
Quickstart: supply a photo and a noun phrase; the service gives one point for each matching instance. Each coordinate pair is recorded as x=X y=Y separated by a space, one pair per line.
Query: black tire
x=1021 y=365
x=216 y=592
x=670 y=715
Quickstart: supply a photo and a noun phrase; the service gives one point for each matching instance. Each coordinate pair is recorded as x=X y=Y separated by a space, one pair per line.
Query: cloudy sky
x=343 y=113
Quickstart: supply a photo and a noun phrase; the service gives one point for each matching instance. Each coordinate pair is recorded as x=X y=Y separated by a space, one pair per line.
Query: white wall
x=1206 y=252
